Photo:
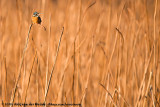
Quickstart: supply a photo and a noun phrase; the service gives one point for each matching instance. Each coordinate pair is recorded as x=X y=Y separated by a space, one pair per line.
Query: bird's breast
x=36 y=20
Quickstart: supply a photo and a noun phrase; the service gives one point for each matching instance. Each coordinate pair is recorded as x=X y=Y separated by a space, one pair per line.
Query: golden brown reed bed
x=108 y=55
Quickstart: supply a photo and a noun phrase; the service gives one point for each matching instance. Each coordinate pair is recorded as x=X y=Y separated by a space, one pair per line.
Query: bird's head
x=36 y=14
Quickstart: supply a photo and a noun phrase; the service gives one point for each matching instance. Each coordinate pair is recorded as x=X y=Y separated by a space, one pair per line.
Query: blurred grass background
x=109 y=53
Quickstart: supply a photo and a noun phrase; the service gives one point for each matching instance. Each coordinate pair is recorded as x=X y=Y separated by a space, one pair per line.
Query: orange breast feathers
x=36 y=20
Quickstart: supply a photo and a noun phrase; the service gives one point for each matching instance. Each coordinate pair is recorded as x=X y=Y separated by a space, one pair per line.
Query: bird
x=36 y=19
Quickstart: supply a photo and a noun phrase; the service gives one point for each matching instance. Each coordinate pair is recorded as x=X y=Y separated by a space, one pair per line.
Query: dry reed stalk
x=2 y=27
x=74 y=72
x=30 y=74
x=122 y=97
x=151 y=90
x=144 y=76
x=91 y=61
x=78 y=54
x=5 y=88
x=23 y=79
x=41 y=77
x=109 y=94
x=39 y=53
x=133 y=48
x=106 y=59
x=4 y=81
x=43 y=5
x=147 y=22
x=121 y=35
x=120 y=62
x=60 y=89
x=103 y=51
x=154 y=23
x=116 y=97
x=106 y=97
x=119 y=59
x=109 y=20
x=19 y=16
x=83 y=95
x=20 y=67
x=148 y=86
x=46 y=92
x=37 y=81
x=136 y=75
x=155 y=47
x=47 y=68
x=80 y=44
x=65 y=99
x=147 y=46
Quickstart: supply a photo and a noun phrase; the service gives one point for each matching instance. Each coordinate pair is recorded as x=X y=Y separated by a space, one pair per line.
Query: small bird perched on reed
x=36 y=19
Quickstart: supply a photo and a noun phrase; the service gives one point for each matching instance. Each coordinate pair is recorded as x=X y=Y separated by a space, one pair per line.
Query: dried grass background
x=109 y=53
